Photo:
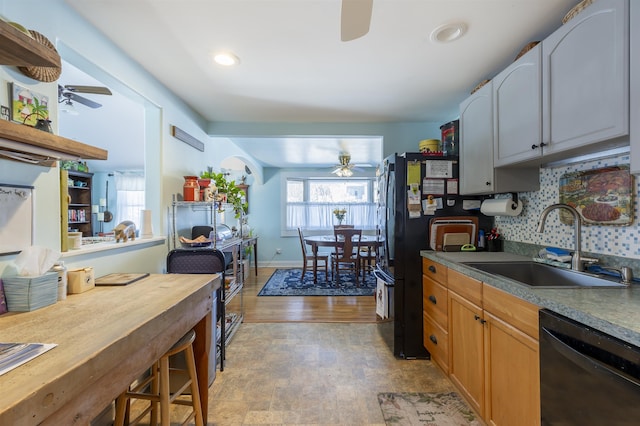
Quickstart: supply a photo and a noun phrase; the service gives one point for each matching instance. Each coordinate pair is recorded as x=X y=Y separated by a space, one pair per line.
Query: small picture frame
x=28 y=106
x=5 y=112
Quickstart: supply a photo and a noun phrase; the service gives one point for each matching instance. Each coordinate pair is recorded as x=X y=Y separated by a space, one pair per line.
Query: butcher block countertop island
x=105 y=339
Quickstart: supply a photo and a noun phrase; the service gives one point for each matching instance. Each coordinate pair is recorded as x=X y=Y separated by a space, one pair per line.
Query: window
x=129 y=196
x=311 y=201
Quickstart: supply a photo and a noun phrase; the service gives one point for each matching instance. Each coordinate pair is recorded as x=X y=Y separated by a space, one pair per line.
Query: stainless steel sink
x=539 y=275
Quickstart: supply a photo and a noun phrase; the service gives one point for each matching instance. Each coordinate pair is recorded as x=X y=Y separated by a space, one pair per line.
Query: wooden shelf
x=18 y=49
x=44 y=147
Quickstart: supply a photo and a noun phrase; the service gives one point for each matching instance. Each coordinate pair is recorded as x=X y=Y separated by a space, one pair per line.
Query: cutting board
x=452 y=225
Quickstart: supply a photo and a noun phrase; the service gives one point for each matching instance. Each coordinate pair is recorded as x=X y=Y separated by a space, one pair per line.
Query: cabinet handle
x=433 y=299
x=432 y=269
x=433 y=339
x=534 y=146
x=487 y=183
x=477 y=318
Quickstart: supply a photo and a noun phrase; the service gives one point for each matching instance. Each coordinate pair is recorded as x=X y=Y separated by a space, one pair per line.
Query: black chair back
x=195 y=261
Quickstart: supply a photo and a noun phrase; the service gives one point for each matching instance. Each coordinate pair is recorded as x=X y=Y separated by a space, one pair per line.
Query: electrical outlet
x=278 y=251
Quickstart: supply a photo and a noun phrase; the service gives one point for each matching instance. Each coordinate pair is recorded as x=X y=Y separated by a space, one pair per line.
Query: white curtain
x=129 y=196
x=319 y=216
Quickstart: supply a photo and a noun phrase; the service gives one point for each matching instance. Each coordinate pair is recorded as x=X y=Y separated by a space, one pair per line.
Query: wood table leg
x=315 y=263
x=201 y=348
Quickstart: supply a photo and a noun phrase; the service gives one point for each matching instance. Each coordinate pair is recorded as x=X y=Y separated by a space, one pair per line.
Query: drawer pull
x=433 y=299
x=432 y=269
x=433 y=339
x=476 y=317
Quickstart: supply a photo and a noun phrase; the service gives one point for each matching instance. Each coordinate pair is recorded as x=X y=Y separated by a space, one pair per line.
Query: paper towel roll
x=500 y=207
x=146 y=227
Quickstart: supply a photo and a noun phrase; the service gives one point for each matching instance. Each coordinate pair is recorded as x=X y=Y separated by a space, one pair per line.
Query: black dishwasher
x=586 y=377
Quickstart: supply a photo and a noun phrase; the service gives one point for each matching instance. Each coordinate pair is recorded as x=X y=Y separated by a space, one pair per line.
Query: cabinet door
x=512 y=375
x=517 y=110
x=466 y=354
x=476 y=142
x=586 y=78
x=634 y=102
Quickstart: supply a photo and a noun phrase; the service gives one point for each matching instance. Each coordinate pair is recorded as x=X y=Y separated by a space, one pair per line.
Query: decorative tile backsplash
x=607 y=240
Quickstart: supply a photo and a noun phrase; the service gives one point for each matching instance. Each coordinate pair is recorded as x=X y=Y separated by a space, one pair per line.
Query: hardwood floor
x=357 y=309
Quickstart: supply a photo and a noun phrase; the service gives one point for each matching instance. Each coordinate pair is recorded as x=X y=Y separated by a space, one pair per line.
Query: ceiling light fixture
x=226 y=59
x=448 y=32
x=344 y=172
x=69 y=108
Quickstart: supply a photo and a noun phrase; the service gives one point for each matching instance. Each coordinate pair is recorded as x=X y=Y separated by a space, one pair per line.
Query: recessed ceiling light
x=448 y=32
x=226 y=58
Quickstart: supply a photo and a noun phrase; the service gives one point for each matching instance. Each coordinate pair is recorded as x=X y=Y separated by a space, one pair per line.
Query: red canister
x=191 y=189
x=450 y=138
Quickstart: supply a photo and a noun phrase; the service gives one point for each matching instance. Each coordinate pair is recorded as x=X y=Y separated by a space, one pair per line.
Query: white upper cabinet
x=476 y=146
x=585 y=79
x=477 y=174
x=517 y=105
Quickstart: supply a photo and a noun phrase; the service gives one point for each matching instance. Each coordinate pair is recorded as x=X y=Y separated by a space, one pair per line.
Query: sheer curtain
x=319 y=216
x=129 y=196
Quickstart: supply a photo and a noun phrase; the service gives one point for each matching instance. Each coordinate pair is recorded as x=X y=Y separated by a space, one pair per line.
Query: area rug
x=286 y=282
x=426 y=409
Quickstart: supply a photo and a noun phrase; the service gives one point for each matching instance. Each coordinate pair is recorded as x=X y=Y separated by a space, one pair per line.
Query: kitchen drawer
x=436 y=340
x=434 y=301
x=467 y=287
x=434 y=270
x=511 y=309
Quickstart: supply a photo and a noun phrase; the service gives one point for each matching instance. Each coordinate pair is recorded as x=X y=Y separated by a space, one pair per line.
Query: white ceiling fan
x=345 y=168
x=355 y=19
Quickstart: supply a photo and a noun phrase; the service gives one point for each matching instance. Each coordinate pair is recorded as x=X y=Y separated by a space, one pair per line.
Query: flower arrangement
x=339 y=214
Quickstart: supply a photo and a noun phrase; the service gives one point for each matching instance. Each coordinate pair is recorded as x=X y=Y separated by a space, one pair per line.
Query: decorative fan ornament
x=355 y=19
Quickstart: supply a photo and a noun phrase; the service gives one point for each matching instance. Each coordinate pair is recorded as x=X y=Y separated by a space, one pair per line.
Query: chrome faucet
x=577 y=260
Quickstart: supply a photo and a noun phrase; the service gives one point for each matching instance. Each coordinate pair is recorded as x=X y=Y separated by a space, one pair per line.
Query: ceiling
x=295 y=69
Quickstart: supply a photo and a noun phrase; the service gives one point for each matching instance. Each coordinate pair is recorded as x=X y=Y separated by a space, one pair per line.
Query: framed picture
x=5 y=113
x=27 y=106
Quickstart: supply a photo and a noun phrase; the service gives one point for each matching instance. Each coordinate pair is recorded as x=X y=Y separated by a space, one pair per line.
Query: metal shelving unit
x=232 y=294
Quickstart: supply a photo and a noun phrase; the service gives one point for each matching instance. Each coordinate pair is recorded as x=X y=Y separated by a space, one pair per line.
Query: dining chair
x=369 y=255
x=308 y=257
x=344 y=226
x=347 y=253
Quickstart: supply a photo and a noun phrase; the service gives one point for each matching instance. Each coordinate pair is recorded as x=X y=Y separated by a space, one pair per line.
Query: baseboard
x=280 y=264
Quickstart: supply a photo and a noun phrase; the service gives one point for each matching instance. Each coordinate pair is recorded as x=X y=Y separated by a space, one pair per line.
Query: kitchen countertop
x=615 y=311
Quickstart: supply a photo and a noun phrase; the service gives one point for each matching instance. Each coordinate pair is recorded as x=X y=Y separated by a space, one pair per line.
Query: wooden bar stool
x=159 y=389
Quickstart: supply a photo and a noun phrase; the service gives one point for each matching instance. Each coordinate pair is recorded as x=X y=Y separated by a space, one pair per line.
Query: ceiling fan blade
x=355 y=19
x=97 y=90
x=82 y=100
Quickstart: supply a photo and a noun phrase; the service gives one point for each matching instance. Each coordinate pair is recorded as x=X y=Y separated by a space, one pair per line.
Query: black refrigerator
x=407 y=234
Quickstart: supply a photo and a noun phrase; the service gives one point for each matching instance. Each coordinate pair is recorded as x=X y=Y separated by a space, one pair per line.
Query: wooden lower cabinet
x=512 y=375
x=466 y=350
x=486 y=341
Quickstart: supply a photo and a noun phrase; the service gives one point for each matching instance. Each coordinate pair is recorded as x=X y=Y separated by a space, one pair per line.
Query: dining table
x=317 y=241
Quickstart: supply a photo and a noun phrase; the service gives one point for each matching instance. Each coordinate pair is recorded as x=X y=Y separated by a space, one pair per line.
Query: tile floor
x=312 y=373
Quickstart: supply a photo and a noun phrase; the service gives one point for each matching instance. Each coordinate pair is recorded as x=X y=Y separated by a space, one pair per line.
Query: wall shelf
x=18 y=49
x=35 y=146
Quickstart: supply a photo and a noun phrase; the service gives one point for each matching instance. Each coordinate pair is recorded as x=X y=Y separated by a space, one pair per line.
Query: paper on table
x=13 y=355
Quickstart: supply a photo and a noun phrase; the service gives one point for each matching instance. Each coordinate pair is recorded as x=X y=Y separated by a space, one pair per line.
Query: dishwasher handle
x=583 y=360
